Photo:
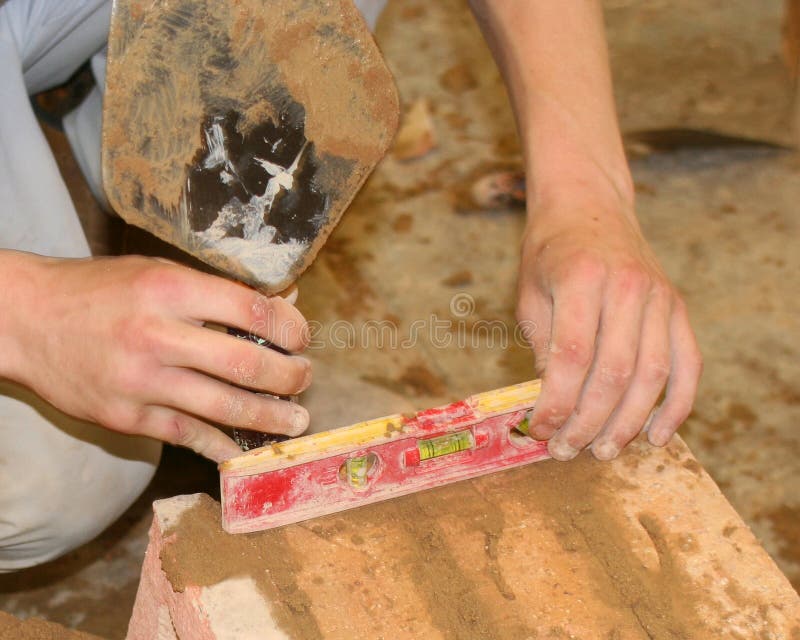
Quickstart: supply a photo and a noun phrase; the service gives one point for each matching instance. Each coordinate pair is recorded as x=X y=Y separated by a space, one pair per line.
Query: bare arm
x=121 y=342
x=607 y=327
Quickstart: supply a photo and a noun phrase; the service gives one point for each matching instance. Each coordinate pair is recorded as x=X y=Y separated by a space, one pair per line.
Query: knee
x=55 y=509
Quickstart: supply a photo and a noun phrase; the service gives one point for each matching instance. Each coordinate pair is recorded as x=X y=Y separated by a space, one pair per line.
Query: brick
x=643 y=547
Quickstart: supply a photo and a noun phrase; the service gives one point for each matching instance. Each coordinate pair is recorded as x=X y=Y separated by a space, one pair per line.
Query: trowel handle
x=248 y=438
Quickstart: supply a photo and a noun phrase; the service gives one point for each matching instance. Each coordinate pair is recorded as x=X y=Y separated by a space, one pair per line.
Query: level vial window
x=444 y=445
x=524 y=427
x=358 y=471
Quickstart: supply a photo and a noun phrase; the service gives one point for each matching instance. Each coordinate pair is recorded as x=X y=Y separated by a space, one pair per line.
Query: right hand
x=121 y=342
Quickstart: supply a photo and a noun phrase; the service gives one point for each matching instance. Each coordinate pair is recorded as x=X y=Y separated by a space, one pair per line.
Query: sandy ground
x=723 y=223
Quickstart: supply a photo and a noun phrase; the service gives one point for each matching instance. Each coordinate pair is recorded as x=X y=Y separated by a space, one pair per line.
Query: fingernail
x=299 y=420
x=307 y=375
x=658 y=438
x=290 y=294
x=561 y=450
x=605 y=450
x=226 y=453
x=649 y=420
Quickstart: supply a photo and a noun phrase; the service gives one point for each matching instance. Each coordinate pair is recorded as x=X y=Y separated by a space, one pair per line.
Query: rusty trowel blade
x=240 y=131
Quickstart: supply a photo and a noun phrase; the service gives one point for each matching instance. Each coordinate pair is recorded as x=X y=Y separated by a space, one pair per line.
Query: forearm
x=554 y=59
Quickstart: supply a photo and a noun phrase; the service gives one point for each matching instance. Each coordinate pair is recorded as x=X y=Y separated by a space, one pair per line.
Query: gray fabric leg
x=62 y=481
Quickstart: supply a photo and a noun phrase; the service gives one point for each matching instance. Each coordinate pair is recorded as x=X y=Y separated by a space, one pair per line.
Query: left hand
x=607 y=327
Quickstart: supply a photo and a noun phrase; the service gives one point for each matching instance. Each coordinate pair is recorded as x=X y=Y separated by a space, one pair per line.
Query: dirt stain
x=459 y=279
x=422 y=381
x=694 y=466
x=403 y=223
x=458 y=79
x=204 y=555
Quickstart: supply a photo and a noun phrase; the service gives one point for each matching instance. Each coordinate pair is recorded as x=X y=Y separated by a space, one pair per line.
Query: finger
x=209 y=298
x=576 y=316
x=242 y=362
x=187 y=431
x=649 y=378
x=533 y=326
x=612 y=369
x=212 y=400
x=687 y=366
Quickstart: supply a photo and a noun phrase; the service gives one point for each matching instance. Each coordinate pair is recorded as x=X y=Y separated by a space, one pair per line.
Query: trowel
x=240 y=131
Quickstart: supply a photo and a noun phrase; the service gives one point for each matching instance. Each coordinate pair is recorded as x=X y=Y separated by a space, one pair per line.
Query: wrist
x=579 y=200
x=565 y=175
x=569 y=157
x=580 y=195
x=17 y=287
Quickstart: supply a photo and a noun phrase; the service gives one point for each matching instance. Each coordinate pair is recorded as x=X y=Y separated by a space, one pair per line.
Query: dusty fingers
x=616 y=338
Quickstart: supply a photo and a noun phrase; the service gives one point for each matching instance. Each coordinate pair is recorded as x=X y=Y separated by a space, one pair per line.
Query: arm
x=607 y=328
x=121 y=342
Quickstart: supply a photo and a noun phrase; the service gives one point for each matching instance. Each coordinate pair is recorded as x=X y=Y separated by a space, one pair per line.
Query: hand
x=122 y=342
x=607 y=328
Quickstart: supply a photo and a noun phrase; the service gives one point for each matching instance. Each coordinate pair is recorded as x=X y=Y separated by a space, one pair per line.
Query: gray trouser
x=62 y=481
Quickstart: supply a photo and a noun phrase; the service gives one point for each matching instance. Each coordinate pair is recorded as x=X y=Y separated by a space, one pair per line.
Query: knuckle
x=139 y=334
x=574 y=352
x=181 y=431
x=661 y=291
x=260 y=309
x=123 y=418
x=616 y=375
x=656 y=371
x=246 y=368
x=233 y=409
x=157 y=282
x=555 y=414
x=633 y=279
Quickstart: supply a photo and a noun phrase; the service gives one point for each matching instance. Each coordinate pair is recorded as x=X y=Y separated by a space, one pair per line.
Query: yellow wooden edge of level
x=374 y=431
x=506 y=398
